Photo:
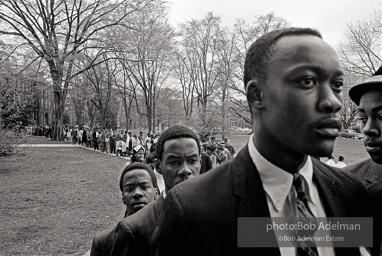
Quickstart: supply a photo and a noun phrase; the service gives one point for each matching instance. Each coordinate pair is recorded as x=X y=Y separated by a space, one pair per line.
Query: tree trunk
x=204 y=111
x=153 y=120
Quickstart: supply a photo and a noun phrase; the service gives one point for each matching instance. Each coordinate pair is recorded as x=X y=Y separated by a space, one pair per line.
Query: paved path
x=49 y=145
x=66 y=146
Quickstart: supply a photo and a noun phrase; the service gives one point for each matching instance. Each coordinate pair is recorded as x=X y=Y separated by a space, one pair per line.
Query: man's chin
x=321 y=149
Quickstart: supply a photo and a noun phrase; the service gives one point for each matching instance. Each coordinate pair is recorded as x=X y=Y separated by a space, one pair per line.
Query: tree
x=245 y=35
x=126 y=89
x=58 y=30
x=361 y=51
x=100 y=78
x=149 y=64
x=200 y=41
x=14 y=108
x=186 y=74
x=226 y=70
x=360 y=54
x=349 y=114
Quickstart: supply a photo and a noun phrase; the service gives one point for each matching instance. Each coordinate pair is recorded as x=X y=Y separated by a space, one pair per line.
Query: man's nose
x=370 y=129
x=185 y=171
x=137 y=193
x=329 y=100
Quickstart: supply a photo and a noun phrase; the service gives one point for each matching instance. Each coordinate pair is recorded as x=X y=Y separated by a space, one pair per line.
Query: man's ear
x=254 y=94
x=157 y=165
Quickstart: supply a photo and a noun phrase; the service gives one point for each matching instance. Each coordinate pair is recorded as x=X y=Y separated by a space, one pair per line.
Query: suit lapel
x=248 y=187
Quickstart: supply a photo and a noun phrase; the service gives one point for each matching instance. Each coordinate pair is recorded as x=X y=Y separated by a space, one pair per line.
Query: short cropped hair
x=175 y=132
x=135 y=166
x=259 y=53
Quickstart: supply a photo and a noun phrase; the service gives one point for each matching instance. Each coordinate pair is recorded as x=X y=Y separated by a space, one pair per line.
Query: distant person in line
x=331 y=161
x=178 y=151
x=138 y=186
x=229 y=146
x=340 y=162
x=368 y=96
x=293 y=82
x=206 y=163
x=154 y=163
x=138 y=154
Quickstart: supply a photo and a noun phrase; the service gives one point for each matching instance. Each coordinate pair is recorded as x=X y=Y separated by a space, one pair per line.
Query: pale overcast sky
x=330 y=17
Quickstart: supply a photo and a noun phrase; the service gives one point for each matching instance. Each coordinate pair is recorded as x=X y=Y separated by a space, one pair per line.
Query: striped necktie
x=305 y=215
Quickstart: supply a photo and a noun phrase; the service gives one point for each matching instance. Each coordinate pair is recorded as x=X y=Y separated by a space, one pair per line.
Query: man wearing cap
x=368 y=96
x=293 y=82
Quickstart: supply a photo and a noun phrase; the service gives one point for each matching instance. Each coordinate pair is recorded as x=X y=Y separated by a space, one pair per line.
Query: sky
x=330 y=17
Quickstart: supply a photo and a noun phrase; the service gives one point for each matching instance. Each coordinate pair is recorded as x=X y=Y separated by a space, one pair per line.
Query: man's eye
x=173 y=163
x=130 y=189
x=338 y=85
x=363 y=120
x=308 y=82
x=192 y=161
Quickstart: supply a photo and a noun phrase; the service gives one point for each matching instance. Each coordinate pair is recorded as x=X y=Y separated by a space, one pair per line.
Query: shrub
x=9 y=139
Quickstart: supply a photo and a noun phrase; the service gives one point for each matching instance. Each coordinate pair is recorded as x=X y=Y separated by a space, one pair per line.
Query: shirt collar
x=277 y=183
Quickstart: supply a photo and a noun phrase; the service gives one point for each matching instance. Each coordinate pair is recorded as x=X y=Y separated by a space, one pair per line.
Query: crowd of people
x=293 y=82
x=120 y=143
x=140 y=148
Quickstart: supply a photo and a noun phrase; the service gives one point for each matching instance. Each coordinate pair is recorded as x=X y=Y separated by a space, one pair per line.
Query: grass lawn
x=54 y=200
x=42 y=140
x=352 y=150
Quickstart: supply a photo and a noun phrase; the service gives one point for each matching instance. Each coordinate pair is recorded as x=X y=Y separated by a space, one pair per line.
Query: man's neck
x=290 y=161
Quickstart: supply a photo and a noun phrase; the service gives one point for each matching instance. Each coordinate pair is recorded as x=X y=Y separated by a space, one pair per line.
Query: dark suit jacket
x=132 y=234
x=199 y=216
x=206 y=163
x=103 y=242
x=370 y=174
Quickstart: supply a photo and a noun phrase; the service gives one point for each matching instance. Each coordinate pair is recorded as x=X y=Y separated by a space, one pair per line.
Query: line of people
x=293 y=82
x=110 y=141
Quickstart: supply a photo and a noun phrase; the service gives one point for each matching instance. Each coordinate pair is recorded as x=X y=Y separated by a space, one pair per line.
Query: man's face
x=140 y=155
x=180 y=161
x=138 y=190
x=302 y=97
x=370 y=113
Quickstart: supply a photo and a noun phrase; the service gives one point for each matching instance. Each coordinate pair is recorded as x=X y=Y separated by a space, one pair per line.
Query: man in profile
x=293 y=82
x=178 y=150
x=368 y=96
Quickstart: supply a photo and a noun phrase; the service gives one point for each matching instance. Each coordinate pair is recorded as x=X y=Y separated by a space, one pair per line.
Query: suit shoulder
x=216 y=177
x=140 y=223
x=106 y=233
x=340 y=175
x=359 y=168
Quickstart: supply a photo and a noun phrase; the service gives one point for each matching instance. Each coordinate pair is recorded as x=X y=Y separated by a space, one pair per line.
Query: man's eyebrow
x=377 y=108
x=314 y=68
